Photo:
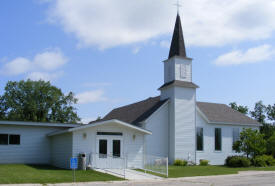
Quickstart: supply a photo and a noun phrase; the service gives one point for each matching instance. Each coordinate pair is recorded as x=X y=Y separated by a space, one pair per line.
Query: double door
x=109 y=152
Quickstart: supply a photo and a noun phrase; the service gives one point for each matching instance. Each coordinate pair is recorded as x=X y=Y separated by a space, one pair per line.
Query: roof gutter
x=42 y=124
x=240 y=124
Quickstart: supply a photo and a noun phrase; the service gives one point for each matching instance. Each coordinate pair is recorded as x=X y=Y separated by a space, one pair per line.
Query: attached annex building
x=172 y=125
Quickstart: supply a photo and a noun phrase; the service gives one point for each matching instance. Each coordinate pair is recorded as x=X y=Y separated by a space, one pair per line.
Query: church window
x=236 y=134
x=183 y=69
x=199 y=139
x=218 y=139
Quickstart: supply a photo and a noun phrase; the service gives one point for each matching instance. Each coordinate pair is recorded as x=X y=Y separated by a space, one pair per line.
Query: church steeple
x=177 y=47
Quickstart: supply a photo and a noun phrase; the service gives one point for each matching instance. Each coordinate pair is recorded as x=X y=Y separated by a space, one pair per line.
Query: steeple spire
x=177 y=45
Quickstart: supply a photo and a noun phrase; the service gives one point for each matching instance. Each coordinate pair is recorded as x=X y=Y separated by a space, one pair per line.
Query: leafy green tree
x=271 y=145
x=242 y=109
x=251 y=142
x=2 y=109
x=37 y=101
x=259 y=112
x=267 y=130
x=271 y=112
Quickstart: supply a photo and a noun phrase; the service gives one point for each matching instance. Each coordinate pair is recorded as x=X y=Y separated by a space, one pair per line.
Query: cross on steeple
x=178 y=5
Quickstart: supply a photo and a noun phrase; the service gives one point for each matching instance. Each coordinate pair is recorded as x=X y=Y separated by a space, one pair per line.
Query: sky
x=110 y=53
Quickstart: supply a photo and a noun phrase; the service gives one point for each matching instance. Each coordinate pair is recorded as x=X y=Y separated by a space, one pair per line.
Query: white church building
x=173 y=125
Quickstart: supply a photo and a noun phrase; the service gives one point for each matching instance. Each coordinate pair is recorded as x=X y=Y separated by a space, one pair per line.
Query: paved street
x=251 y=178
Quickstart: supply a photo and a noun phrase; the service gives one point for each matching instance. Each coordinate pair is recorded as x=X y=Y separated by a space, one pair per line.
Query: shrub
x=270 y=161
x=237 y=161
x=179 y=162
x=259 y=161
x=204 y=162
x=263 y=161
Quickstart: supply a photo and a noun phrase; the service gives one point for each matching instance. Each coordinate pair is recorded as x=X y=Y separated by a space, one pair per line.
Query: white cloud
x=107 y=23
x=42 y=66
x=50 y=60
x=17 y=66
x=91 y=96
x=35 y=76
x=252 y=55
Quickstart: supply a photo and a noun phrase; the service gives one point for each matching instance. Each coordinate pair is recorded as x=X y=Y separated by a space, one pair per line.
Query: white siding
x=172 y=69
x=181 y=122
x=157 y=143
x=170 y=93
x=185 y=101
x=132 y=148
x=209 y=153
x=34 y=147
x=61 y=150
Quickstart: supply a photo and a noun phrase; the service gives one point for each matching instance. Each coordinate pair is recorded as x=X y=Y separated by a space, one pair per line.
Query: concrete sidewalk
x=130 y=174
x=249 y=178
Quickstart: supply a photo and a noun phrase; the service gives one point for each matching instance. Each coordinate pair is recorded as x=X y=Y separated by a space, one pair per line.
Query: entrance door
x=109 y=152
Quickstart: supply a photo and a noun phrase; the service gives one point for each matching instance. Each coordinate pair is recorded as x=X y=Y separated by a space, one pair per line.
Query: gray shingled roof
x=136 y=112
x=140 y=111
x=221 y=113
x=180 y=84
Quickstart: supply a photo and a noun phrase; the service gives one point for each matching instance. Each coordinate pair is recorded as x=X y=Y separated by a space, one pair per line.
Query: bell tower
x=181 y=91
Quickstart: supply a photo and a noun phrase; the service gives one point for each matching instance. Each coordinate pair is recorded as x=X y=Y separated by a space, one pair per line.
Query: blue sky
x=110 y=53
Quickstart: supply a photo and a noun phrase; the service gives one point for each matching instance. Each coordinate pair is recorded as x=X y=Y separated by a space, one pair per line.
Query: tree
x=271 y=145
x=2 y=109
x=267 y=130
x=251 y=142
x=259 y=112
x=271 y=113
x=37 y=101
x=242 y=109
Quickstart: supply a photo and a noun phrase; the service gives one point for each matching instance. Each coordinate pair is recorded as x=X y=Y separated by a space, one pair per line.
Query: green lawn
x=179 y=171
x=47 y=174
x=189 y=171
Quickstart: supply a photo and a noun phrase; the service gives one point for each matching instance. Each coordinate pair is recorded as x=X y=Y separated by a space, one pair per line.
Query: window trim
x=15 y=135
x=9 y=139
x=215 y=139
x=109 y=133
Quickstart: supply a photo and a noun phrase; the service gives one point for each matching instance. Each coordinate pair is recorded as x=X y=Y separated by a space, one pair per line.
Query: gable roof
x=223 y=114
x=179 y=84
x=136 y=112
x=213 y=112
x=98 y=123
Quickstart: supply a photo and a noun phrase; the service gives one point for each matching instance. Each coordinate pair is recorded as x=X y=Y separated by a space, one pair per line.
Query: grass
x=153 y=173
x=190 y=171
x=18 y=173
